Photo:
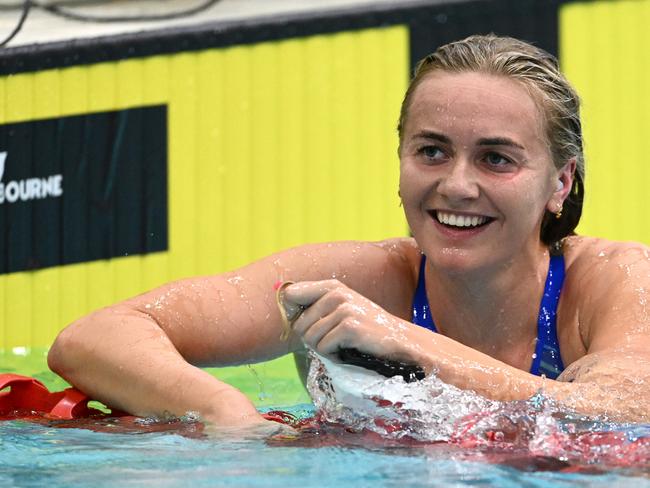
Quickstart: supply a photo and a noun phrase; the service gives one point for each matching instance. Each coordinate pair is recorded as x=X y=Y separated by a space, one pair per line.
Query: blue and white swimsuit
x=547 y=360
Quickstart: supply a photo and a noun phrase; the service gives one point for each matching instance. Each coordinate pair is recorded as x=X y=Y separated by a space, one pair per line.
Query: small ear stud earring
x=558 y=214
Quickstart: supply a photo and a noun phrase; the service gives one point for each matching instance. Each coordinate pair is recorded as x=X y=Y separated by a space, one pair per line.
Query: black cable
x=27 y=4
x=55 y=9
x=67 y=14
x=60 y=3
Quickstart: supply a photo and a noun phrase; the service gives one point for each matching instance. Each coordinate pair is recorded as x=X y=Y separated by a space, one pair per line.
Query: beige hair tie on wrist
x=287 y=321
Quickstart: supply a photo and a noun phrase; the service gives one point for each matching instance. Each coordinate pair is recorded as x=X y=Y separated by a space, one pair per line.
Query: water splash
x=361 y=399
x=432 y=411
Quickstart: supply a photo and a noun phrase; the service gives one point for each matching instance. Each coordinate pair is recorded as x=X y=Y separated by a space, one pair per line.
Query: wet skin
x=474 y=145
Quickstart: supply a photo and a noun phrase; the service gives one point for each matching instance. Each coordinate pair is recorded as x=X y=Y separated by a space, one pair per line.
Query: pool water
x=112 y=452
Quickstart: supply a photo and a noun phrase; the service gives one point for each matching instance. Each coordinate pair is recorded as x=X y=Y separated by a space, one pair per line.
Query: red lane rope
x=27 y=397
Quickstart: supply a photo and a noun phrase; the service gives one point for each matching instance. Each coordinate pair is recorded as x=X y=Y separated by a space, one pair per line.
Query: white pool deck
x=43 y=27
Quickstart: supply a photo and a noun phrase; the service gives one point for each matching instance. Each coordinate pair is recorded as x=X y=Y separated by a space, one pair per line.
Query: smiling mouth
x=460 y=221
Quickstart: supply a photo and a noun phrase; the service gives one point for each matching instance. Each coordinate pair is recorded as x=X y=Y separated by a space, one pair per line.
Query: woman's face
x=476 y=172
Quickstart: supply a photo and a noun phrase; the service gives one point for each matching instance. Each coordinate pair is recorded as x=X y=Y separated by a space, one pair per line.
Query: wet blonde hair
x=538 y=71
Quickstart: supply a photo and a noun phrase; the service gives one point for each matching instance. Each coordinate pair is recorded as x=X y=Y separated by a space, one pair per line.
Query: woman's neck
x=489 y=308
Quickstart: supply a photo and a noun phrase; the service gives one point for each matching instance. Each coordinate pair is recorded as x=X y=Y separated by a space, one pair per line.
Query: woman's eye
x=432 y=152
x=497 y=161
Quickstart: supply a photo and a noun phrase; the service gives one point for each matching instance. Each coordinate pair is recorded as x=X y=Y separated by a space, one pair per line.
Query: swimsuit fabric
x=547 y=360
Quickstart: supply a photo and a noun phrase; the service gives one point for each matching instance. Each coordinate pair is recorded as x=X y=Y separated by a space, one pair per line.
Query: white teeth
x=460 y=220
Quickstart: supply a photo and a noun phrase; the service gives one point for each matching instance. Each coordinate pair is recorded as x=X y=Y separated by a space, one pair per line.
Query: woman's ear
x=563 y=185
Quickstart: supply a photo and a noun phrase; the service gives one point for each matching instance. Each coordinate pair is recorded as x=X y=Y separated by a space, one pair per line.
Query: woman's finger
x=324 y=306
x=306 y=293
x=313 y=334
x=349 y=333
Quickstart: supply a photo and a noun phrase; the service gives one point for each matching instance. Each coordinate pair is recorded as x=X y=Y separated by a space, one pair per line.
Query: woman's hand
x=232 y=409
x=253 y=426
x=336 y=317
x=235 y=415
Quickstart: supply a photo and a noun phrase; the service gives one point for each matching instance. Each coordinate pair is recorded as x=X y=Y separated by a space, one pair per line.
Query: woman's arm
x=142 y=355
x=124 y=358
x=612 y=299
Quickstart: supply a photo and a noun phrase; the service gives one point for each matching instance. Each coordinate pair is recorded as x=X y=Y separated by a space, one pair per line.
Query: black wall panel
x=111 y=199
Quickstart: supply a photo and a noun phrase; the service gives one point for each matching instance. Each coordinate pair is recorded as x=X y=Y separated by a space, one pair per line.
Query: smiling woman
x=491 y=183
x=478 y=138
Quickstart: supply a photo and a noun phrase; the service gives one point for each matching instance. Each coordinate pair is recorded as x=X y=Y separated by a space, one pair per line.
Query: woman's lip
x=435 y=211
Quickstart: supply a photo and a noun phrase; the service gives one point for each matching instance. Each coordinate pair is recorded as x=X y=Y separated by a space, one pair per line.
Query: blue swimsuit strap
x=421 y=312
x=547 y=360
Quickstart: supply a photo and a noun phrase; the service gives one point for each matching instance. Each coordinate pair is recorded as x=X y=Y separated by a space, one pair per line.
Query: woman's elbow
x=70 y=349
x=61 y=356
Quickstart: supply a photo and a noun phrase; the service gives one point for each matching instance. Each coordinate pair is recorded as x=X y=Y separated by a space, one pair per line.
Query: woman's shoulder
x=403 y=248
x=384 y=271
x=594 y=264
x=603 y=277
x=391 y=273
x=583 y=253
x=400 y=252
x=401 y=255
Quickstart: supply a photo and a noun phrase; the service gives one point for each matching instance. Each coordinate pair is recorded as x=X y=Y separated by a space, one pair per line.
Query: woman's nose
x=459 y=182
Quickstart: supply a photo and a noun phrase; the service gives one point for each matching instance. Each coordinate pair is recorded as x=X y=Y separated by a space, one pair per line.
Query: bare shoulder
x=383 y=271
x=586 y=256
x=403 y=251
x=608 y=285
x=348 y=261
x=403 y=257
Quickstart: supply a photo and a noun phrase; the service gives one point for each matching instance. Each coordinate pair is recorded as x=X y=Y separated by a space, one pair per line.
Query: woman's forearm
x=123 y=359
x=595 y=385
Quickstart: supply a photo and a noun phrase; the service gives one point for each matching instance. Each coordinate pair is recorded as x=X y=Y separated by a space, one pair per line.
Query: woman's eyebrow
x=434 y=136
x=487 y=141
x=499 y=141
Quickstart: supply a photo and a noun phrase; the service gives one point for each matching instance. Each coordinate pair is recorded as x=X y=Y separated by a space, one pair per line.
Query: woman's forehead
x=475 y=102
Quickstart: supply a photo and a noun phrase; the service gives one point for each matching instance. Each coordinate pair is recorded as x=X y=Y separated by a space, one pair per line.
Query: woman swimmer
x=491 y=180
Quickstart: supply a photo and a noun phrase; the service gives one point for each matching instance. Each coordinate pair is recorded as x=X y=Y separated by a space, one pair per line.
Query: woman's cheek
x=412 y=187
